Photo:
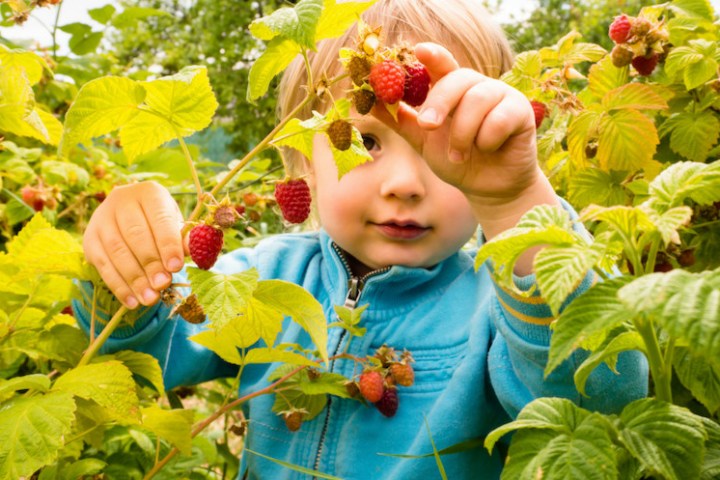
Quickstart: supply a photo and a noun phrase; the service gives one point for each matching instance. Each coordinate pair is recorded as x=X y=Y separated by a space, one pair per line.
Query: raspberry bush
x=629 y=136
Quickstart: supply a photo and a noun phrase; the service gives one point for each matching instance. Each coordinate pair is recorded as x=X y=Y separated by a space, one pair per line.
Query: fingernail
x=175 y=264
x=455 y=156
x=160 y=279
x=149 y=295
x=429 y=115
x=131 y=302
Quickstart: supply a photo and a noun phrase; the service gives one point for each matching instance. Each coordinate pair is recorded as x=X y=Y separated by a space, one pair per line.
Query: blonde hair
x=464 y=27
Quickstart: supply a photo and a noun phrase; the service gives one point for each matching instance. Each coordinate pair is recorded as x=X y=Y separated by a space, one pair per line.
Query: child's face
x=393 y=210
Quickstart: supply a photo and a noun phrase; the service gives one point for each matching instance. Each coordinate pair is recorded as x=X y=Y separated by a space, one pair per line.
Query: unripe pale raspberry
x=621 y=56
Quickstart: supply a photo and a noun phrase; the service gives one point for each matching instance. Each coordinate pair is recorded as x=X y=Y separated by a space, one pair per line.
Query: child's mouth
x=402 y=230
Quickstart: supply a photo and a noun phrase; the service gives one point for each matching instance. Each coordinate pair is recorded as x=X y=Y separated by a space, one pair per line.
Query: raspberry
x=540 y=111
x=359 y=68
x=645 y=65
x=388 y=81
x=363 y=100
x=240 y=209
x=33 y=197
x=417 y=84
x=250 y=199
x=619 y=30
x=621 y=56
x=205 y=244
x=687 y=258
x=293 y=197
x=225 y=216
x=371 y=386
x=293 y=419
x=190 y=310
x=340 y=133
x=388 y=403
x=403 y=374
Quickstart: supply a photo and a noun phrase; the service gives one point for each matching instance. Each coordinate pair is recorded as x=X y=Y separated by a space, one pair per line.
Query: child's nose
x=404 y=178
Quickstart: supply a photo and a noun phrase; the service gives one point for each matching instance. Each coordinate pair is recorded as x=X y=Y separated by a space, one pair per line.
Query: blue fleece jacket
x=479 y=356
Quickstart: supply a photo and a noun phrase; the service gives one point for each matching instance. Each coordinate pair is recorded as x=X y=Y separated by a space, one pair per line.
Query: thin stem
x=246 y=159
x=54 y=30
x=652 y=255
x=600 y=273
x=220 y=412
x=191 y=165
x=658 y=368
x=93 y=315
x=104 y=335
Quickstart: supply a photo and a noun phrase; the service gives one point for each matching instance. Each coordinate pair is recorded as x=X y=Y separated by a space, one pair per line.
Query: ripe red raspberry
x=387 y=79
x=371 y=386
x=645 y=65
x=205 y=244
x=293 y=197
x=403 y=374
x=417 y=84
x=619 y=30
x=540 y=111
x=363 y=101
x=340 y=133
x=388 y=403
x=33 y=197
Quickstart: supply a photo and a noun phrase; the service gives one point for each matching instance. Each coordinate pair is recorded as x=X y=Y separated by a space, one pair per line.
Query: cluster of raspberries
x=378 y=383
x=639 y=42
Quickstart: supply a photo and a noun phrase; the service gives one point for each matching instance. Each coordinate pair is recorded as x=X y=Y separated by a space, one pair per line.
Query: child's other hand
x=134 y=240
x=475 y=132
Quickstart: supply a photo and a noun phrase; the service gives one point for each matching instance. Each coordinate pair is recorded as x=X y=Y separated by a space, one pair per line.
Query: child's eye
x=369 y=142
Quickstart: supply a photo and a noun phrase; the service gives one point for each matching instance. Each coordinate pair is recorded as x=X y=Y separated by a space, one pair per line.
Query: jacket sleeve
x=519 y=353
x=155 y=331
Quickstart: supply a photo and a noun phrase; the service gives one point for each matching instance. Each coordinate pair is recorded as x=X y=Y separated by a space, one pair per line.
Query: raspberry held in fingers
x=205 y=244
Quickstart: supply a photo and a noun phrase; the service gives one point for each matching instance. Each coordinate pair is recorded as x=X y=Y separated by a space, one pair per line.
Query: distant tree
x=213 y=33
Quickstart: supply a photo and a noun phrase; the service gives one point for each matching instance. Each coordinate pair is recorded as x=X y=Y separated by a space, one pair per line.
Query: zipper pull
x=353 y=292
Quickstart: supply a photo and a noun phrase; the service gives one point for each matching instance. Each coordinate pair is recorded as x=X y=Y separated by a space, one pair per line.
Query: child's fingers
x=445 y=96
x=512 y=116
x=437 y=59
x=471 y=115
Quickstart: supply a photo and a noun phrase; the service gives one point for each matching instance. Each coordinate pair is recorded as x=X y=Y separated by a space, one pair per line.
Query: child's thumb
x=437 y=59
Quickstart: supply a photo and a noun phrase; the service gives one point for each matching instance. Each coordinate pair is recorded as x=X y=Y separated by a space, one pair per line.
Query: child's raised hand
x=134 y=240
x=475 y=132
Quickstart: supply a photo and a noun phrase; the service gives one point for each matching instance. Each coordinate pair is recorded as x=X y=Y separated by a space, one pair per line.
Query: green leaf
x=627 y=140
x=668 y=440
x=587 y=321
x=626 y=220
x=102 y=14
x=18 y=111
x=686 y=304
x=175 y=106
x=327 y=383
x=556 y=439
x=293 y=467
x=605 y=77
x=270 y=355
x=607 y=353
x=638 y=96
x=222 y=296
x=700 y=377
x=276 y=57
x=143 y=365
x=130 y=16
x=101 y=106
x=669 y=222
x=293 y=395
x=35 y=381
x=542 y=225
x=337 y=17
x=581 y=130
x=294 y=301
x=299 y=135
x=593 y=185
x=693 y=8
x=30 y=63
x=697 y=62
x=525 y=71
x=172 y=425
x=297 y=23
x=109 y=384
x=681 y=180
x=32 y=432
x=559 y=269
x=692 y=134
x=710 y=469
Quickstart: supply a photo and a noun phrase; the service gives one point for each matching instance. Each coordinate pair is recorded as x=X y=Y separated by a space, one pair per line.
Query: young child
x=393 y=227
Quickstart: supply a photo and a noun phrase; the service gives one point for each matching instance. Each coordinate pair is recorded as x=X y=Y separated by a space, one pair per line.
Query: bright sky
x=36 y=29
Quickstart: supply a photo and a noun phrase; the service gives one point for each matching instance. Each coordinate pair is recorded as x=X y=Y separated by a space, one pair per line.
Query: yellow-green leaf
x=32 y=432
x=337 y=17
x=174 y=426
x=29 y=62
x=605 y=77
x=692 y=134
x=638 y=96
x=102 y=105
x=628 y=140
x=270 y=355
x=222 y=296
x=296 y=23
x=276 y=57
x=109 y=384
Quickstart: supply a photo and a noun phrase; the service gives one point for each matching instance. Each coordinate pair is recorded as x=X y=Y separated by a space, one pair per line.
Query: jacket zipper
x=355 y=287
